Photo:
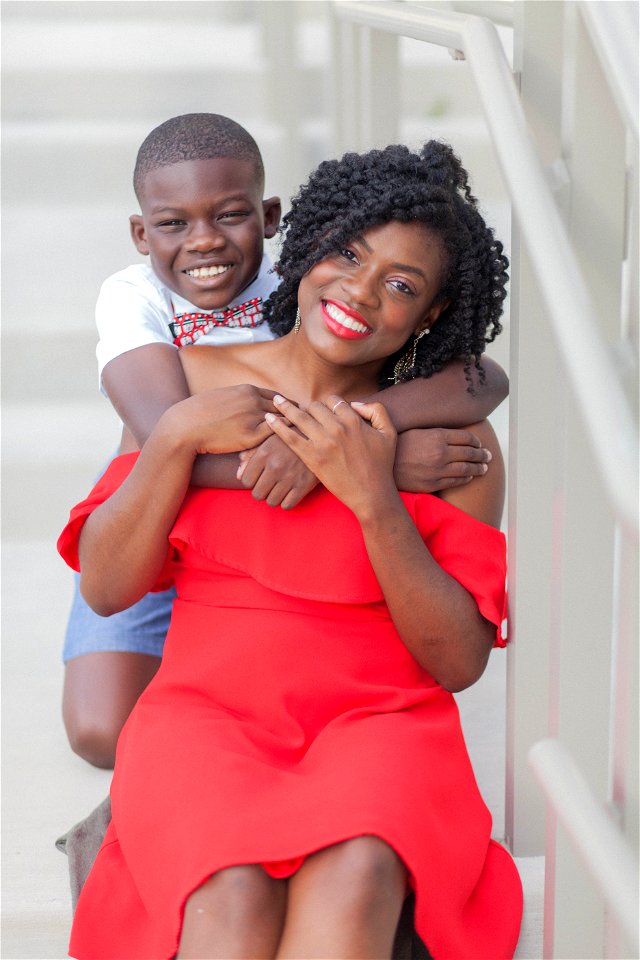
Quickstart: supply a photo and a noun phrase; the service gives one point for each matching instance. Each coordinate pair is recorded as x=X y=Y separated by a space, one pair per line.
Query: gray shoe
x=81 y=844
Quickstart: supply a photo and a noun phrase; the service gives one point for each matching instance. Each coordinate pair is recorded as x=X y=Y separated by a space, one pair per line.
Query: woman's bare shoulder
x=483 y=497
x=209 y=367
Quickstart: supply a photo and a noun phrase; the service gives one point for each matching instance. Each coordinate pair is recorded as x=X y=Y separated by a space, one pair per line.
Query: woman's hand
x=223 y=420
x=349 y=447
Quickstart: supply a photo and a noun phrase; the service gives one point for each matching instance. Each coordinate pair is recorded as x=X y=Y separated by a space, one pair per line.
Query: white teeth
x=344 y=319
x=204 y=272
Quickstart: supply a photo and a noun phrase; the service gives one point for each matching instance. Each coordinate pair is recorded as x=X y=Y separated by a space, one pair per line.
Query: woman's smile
x=363 y=302
x=344 y=322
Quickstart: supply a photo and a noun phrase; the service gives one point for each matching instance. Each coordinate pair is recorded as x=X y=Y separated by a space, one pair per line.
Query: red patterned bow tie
x=189 y=327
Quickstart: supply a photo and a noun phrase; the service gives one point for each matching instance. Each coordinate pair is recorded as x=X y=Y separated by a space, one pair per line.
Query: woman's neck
x=307 y=376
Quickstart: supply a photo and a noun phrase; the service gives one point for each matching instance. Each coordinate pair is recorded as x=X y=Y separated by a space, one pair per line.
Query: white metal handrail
x=498 y=11
x=613 y=28
x=593 y=835
x=585 y=354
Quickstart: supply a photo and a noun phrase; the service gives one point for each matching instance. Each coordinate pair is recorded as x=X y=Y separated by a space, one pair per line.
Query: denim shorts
x=140 y=629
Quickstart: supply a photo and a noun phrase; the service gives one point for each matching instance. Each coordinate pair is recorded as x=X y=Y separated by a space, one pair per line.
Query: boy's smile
x=203 y=224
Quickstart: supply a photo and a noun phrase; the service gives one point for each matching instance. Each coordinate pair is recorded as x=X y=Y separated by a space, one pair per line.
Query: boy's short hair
x=195 y=136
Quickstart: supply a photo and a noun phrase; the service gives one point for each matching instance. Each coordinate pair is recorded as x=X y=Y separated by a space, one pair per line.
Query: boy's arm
x=431 y=454
x=142 y=384
x=444 y=400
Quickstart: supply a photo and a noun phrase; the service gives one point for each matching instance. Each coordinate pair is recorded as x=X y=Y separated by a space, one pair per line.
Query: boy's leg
x=108 y=663
x=100 y=690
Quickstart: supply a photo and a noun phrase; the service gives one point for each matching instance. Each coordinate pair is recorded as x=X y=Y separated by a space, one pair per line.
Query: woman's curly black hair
x=343 y=198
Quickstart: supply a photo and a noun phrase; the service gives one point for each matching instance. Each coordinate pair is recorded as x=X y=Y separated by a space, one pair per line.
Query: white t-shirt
x=135 y=308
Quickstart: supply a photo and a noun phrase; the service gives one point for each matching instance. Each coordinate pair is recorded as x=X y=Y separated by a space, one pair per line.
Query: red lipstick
x=343 y=322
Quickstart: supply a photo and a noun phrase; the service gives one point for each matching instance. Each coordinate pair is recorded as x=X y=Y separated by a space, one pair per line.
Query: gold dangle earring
x=407 y=361
x=298 y=321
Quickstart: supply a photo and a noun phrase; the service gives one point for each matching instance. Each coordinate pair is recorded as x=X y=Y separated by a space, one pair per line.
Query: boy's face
x=203 y=224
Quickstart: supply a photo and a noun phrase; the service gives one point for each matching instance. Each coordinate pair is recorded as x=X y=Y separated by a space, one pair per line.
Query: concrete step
x=132 y=11
x=198 y=61
x=80 y=162
x=46 y=788
x=115 y=54
x=54 y=291
x=51 y=454
x=61 y=367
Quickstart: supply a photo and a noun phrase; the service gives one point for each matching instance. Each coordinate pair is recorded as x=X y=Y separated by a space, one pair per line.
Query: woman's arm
x=436 y=617
x=123 y=546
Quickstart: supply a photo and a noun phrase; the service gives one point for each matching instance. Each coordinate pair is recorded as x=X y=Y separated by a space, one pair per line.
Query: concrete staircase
x=83 y=83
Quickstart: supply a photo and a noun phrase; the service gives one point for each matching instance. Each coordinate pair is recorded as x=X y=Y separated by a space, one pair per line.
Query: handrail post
x=534 y=601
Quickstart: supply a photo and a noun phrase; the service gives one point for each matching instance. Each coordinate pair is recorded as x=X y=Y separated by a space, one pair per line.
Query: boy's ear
x=138 y=234
x=272 y=213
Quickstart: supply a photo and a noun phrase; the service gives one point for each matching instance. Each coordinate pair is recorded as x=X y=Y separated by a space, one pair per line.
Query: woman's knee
x=245 y=893
x=368 y=871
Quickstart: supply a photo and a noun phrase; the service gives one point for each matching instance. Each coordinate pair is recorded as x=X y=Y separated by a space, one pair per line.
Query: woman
x=297 y=765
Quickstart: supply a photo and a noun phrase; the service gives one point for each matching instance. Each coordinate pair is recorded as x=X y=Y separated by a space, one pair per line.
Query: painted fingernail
x=357 y=403
x=240 y=470
x=278 y=398
x=270 y=417
x=489 y=456
x=484 y=467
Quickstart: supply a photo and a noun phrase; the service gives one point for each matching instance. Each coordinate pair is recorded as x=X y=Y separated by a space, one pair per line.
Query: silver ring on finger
x=336 y=405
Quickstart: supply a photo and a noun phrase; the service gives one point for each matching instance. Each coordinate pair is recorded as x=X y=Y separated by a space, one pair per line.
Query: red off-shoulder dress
x=287 y=715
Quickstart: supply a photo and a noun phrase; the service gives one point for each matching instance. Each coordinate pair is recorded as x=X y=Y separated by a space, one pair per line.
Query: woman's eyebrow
x=364 y=244
x=396 y=266
x=409 y=269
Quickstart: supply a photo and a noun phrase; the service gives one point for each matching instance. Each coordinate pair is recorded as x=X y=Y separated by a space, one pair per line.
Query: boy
x=199 y=180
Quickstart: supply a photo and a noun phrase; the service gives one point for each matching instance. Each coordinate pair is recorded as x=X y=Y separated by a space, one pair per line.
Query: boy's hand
x=437 y=459
x=275 y=474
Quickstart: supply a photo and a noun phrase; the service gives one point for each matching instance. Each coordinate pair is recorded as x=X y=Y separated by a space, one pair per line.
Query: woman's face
x=362 y=304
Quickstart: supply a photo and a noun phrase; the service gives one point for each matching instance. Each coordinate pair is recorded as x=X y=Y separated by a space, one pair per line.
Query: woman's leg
x=345 y=902
x=100 y=691
x=237 y=913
